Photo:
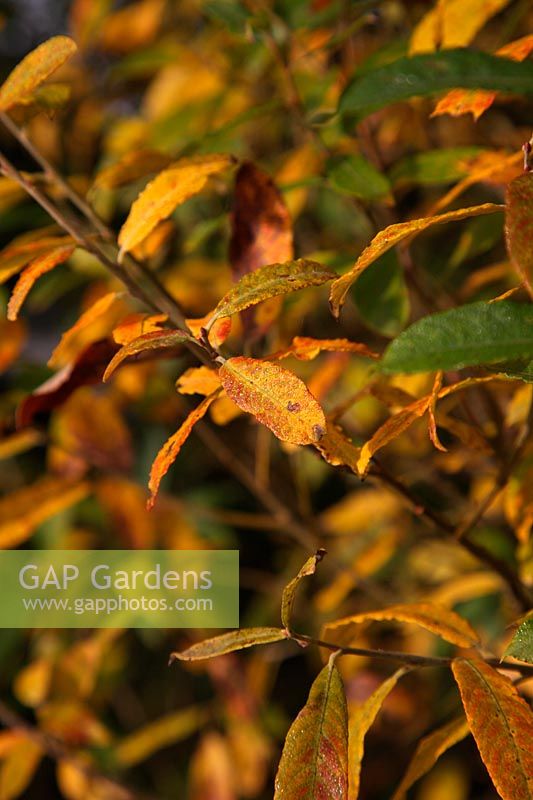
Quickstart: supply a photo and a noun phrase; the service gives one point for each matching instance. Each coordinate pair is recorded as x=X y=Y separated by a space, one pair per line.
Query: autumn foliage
x=267 y=273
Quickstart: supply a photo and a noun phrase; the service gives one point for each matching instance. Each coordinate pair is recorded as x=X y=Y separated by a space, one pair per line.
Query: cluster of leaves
x=141 y=228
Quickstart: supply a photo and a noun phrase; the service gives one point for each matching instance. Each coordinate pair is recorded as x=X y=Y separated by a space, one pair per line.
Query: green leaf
x=356 y=176
x=519 y=224
x=434 y=167
x=155 y=340
x=479 y=333
x=521 y=370
x=271 y=280
x=314 y=762
x=381 y=296
x=228 y=642
x=521 y=645
x=289 y=592
x=431 y=73
x=362 y=718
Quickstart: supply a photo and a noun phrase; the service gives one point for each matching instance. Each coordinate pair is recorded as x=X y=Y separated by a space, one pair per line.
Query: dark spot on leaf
x=318 y=432
x=293 y=406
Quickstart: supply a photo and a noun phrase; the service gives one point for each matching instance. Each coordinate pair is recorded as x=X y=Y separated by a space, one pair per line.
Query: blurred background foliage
x=259 y=80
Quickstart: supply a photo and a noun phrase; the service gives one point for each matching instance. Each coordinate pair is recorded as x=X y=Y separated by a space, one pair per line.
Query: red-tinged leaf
x=429 y=750
x=519 y=225
x=314 y=762
x=168 y=190
x=218 y=333
x=229 y=642
x=390 y=430
x=156 y=340
x=391 y=236
x=39 y=267
x=269 y=281
x=441 y=621
x=476 y=102
x=361 y=719
x=306 y=349
x=34 y=69
x=275 y=397
x=261 y=224
x=502 y=725
x=88 y=368
x=169 y=452
x=289 y=592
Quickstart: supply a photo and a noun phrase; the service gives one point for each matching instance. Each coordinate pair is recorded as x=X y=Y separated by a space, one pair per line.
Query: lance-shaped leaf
x=519 y=224
x=453 y=23
x=228 y=642
x=390 y=430
x=502 y=725
x=428 y=74
x=289 y=592
x=337 y=449
x=478 y=333
x=391 y=236
x=130 y=167
x=34 y=69
x=39 y=267
x=275 y=397
x=26 y=248
x=167 y=191
x=441 y=621
x=429 y=750
x=271 y=280
x=165 y=731
x=314 y=762
x=155 y=340
x=361 y=719
x=521 y=645
x=469 y=101
x=169 y=452
x=306 y=348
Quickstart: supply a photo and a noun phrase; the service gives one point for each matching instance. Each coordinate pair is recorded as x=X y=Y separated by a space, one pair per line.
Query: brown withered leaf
x=502 y=724
x=88 y=369
x=168 y=190
x=169 y=452
x=275 y=397
x=337 y=449
x=441 y=621
x=38 y=267
x=314 y=762
x=271 y=280
x=156 y=340
x=391 y=236
x=361 y=718
x=429 y=750
x=34 y=69
x=289 y=592
x=229 y=642
x=519 y=225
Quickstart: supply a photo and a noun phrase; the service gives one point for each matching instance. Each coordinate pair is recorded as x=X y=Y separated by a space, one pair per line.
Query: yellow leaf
x=429 y=750
x=34 y=69
x=130 y=167
x=167 y=730
x=502 y=724
x=212 y=772
x=167 y=191
x=229 y=642
x=453 y=23
x=169 y=452
x=337 y=449
x=23 y=510
x=289 y=592
x=19 y=442
x=33 y=682
x=441 y=621
x=275 y=397
x=391 y=236
x=361 y=719
x=306 y=349
x=390 y=430
x=156 y=340
x=198 y=380
x=12 y=336
x=18 y=767
x=38 y=267
x=27 y=248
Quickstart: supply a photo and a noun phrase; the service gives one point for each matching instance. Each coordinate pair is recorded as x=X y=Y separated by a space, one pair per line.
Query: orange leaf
x=198 y=380
x=519 y=225
x=275 y=397
x=305 y=348
x=135 y=325
x=167 y=191
x=502 y=725
x=37 y=268
x=169 y=452
x=476 y=102
x=432 y=405
x=12 y=335
x=156 y=340
x=441 y=621
x=337 y=449
x=391 y=236
x=390 y=430
x=34 y=69
x=26 y=248
x=218 y=333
